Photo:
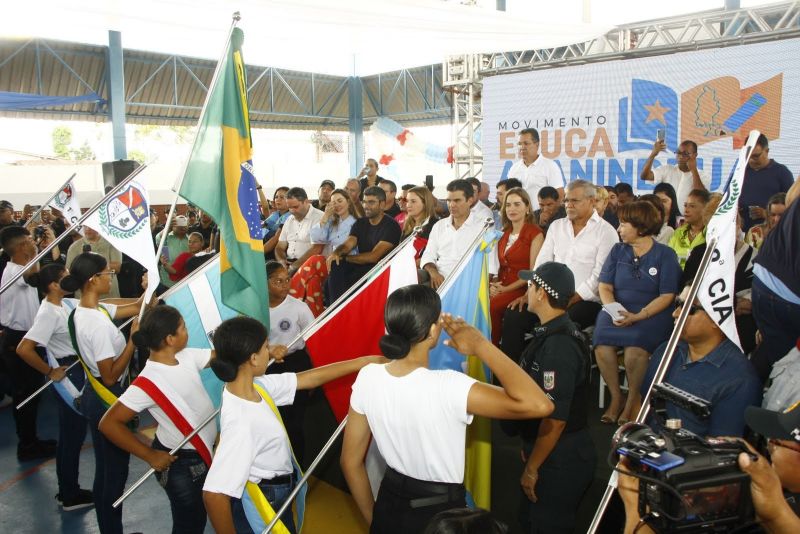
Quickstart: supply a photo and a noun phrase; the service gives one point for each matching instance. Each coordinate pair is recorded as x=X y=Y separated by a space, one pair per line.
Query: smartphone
x=660 y=134
x=165 y=253
x=429 y=181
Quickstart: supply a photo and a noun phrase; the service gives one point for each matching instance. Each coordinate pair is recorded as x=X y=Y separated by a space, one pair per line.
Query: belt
x=437 y=492
x=181 y=453
x=279 y=480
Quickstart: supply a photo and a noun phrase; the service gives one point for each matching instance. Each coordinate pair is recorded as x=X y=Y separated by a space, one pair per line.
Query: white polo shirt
x=20 y=302
x=584 y=253
x=680 y=181
x=446 y=245
x=535 y=176
x=297 y=234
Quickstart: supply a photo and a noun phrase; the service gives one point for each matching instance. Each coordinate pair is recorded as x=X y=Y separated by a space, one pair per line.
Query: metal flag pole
x=178 y=447
x=83 y=217
x=288 y=502
x=487 y=224
x=48 y=201
x=669 y=352
x=177 y=187
x=44 y=387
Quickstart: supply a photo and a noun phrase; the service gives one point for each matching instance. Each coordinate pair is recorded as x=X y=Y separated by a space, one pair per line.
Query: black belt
x=279 y=480
x=439 y=492
x=190 y=454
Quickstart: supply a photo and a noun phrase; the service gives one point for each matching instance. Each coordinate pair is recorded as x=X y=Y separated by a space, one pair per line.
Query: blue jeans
x=276 y=495
x=778 y=321
x=71 y=435
x=110 y=465
x=183 y=482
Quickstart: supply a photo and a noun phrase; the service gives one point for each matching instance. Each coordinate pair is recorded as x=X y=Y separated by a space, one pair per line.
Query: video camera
x=686 y=483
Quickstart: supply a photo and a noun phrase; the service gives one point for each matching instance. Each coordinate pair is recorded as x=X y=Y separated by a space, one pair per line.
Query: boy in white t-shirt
x=253 y=445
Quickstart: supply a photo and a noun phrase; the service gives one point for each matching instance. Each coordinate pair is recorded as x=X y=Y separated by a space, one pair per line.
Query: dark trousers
x=401 y=504
x=110 y=465
x=563 y=480
x=518 y=323
x=71 y=435
x=276 y=495
x=778 y=321
x=24 y=381
x=183 y=482
x=294 y=414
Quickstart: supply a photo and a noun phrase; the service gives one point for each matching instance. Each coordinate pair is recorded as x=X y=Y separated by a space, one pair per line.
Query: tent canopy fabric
x=28 y=101
x=346 y=37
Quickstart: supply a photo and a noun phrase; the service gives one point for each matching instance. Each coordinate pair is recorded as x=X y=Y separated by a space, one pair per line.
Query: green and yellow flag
x=219 y=179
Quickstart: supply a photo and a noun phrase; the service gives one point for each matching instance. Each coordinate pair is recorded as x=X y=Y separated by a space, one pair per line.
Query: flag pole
x=487 y=224
x=44 y=387
x=178 y=447
x=236 y=17
x=660 y=372
x=83 y=217
x=288 y=502
x=49 y=200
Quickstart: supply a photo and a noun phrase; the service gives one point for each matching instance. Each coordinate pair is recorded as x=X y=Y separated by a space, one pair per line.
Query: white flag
x=124 y=221
x=66 y=201
x=716 y=292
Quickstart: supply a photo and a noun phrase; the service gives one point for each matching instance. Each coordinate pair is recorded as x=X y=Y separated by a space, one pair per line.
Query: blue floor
x=27 y=490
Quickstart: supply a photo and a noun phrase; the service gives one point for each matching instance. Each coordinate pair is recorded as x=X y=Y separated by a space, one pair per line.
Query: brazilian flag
x=219 y=180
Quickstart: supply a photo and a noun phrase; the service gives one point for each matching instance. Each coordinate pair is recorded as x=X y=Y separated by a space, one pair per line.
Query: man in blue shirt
x=763 y=177
x=710 y=366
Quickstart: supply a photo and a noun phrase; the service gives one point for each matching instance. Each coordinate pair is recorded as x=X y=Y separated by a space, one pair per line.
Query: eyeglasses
x=636 y=271
x=684 y=154
x=112 y=272
x=573 y=200
x=679 y=303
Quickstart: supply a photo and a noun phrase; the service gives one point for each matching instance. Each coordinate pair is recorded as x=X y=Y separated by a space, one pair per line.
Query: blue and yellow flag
x=219 y=179
x=468 y=297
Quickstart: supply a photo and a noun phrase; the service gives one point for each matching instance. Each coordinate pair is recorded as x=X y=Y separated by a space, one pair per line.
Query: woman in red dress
x=517 y=251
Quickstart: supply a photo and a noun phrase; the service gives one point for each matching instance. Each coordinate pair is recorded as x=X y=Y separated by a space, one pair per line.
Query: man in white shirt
x=481 y=210
x=451 y=237
x=683 y=177
x=294 y=244
x=533 y=170
x=18 y=307
x=581 y=241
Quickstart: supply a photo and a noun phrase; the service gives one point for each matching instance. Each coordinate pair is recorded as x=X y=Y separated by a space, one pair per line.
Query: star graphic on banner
x=656 y=112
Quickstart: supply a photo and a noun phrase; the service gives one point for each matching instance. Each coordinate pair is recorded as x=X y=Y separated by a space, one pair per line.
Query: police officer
x=558 y=452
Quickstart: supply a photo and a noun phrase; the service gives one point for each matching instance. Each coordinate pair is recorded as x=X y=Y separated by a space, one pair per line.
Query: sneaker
x=83 y=499
x=35 y=451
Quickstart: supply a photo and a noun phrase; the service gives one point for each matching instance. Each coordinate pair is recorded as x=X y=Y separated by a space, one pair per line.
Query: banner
x=599 y=121
x=124 y=221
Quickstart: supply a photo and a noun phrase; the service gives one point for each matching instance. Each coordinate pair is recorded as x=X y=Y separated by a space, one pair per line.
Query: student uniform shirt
x=287 y=320
x=50 y=327
x=253 y=444
x=418 y=420
x=19 y=302
x=98 y=338
x=186 y=393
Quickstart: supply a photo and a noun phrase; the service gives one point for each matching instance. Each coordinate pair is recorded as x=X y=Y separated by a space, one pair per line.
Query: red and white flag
x=356 y=326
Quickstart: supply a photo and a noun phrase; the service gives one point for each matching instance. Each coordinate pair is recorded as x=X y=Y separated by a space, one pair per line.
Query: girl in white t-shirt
x=288 y=317
x=418 y=417
x=105 y=355
x=170 y=388
x=253 y=444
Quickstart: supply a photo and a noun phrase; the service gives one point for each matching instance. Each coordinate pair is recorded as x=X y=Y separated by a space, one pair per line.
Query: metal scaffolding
x=707 y=29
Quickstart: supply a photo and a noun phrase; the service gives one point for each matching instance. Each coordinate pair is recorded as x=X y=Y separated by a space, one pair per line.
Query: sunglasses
x=679 y=303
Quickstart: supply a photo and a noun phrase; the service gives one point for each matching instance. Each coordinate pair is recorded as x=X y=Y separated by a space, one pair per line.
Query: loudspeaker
x=116 y=171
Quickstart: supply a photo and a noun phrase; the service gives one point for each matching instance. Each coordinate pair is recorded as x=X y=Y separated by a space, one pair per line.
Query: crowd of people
x=580 y=276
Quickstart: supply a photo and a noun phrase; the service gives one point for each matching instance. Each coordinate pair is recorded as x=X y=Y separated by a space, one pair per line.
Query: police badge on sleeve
x=549 y=379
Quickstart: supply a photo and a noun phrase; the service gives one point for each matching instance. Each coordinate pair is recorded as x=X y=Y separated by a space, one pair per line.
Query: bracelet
x=530 y=476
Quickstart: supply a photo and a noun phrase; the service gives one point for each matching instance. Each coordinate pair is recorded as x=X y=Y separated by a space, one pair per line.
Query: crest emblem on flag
x=124 y=215
x=549 y=380
x=63 y=197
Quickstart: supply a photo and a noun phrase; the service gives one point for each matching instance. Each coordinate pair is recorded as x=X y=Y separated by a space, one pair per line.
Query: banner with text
x=599 y=121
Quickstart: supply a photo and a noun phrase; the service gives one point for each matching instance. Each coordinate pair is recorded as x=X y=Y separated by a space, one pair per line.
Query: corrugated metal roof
x=170 y=90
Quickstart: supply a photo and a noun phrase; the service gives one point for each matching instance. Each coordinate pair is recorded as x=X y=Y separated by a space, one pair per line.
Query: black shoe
x=36 y=451
x=83 y=499
x=49 y=442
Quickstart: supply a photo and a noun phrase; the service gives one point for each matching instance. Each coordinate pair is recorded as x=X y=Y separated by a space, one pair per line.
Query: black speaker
x=116 y=171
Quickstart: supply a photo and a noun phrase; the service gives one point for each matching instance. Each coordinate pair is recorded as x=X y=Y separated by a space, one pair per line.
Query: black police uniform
x=558 y=361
